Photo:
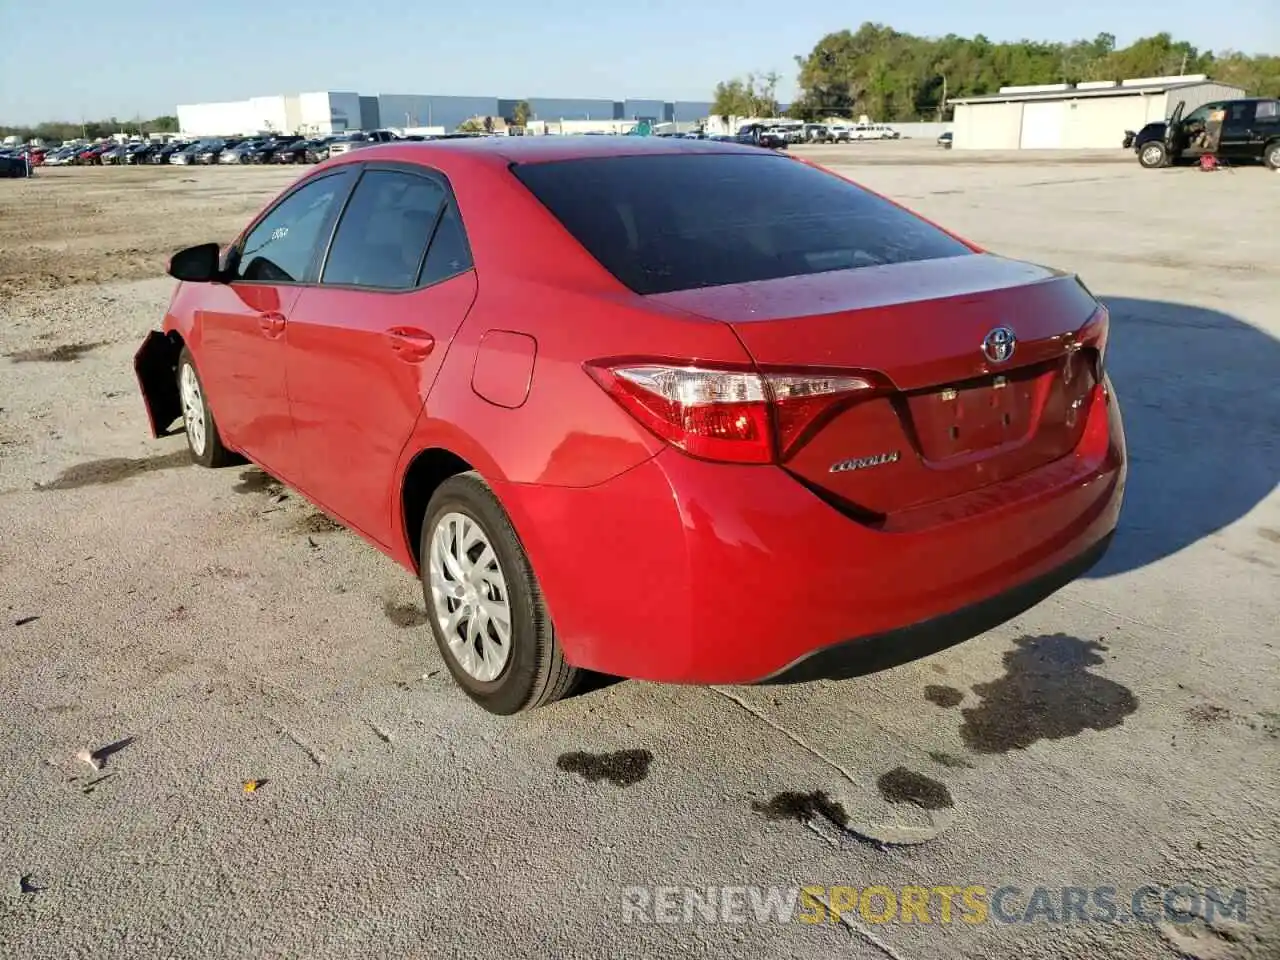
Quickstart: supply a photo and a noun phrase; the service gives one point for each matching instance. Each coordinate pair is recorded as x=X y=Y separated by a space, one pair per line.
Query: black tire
x=535 y=673
x=212 y=453
x=1153 y=155
x=1271 y=156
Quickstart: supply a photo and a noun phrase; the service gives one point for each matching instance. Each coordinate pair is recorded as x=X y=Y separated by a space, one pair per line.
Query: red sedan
x=678 y=410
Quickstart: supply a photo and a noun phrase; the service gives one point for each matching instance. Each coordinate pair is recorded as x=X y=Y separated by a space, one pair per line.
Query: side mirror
x=199 y=264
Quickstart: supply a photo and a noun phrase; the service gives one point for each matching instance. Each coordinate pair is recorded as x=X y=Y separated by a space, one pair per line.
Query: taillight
x=1094 y=335
x=740 y=416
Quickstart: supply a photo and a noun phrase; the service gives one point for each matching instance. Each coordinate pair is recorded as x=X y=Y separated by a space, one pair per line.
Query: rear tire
x=203 y=439
x=475 y=574
x=1271 y=156
x=1153 y=155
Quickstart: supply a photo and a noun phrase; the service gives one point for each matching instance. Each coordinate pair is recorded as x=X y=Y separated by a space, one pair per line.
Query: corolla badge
x=999 y=344
x=862 y=463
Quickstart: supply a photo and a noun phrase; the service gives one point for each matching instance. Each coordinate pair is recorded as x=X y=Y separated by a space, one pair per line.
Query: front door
x=244 y=327
x=365 y=345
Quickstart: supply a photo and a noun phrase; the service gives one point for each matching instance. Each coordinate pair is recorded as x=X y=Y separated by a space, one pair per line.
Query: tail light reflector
x=733 y=415
x=1095 y=334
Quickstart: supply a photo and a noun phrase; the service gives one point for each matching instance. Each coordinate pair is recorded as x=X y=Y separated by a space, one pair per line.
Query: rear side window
x=676 y=222
x=384 y=231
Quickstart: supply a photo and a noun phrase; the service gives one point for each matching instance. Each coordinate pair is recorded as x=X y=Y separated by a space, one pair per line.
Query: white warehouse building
x=1090 y=115
x=320 y=113
x=330 y=112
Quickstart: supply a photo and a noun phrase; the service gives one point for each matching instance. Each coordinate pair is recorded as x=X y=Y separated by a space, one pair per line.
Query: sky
x=89 y=59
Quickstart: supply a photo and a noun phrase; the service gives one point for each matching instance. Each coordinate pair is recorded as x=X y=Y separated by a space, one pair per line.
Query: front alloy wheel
x=202 y=432
x=1152 y=155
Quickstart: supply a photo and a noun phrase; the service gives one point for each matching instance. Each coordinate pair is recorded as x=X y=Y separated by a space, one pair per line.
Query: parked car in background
x=13 y=165
x=239 y=153
x=293 y=152
x=209 y=151
x=1245 y=130
x=759 y=135
x=945 y=139
x=186 y=155
x=164 y=152
x=874 y=131
x=355 y=141
x=823 y=432
x=266 y=150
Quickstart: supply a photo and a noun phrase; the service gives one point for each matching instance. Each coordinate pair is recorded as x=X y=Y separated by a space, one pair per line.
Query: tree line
x=61 y=130
x=893 y=76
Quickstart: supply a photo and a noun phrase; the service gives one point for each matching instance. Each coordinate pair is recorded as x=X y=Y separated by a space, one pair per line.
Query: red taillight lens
x=720 y=414
x=1094 y=335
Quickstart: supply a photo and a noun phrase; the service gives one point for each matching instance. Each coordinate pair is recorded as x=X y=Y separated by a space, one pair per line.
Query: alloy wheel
x=469 y=596
x=192 y=408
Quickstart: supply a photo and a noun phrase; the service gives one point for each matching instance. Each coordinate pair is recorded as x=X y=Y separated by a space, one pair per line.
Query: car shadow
x=1200 y=394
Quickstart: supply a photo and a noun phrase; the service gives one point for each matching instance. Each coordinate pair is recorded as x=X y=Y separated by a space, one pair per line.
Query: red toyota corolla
x=667 y=409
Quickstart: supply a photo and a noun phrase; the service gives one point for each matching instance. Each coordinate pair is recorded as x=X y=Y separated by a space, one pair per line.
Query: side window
x=449 y=254
x=1268 y=110
x=384 y=231
x=282 y=247
x=1201 y=114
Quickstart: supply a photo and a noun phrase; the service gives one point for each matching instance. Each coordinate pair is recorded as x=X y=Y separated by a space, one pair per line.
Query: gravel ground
x=202 y=630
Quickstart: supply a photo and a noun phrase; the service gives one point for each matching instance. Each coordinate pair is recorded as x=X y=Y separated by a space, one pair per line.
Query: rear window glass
x=672 y=222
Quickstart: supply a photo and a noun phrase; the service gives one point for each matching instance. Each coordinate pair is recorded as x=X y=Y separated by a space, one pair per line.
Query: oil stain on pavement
x=901 y=785
x=63 y=353
x=943 y=696
x=949 y=760
x=404 y=614
x=1047 y=693
x=254 y=480
x=318 y=522
x=622 y=768
x=801 y=807
x=114 y=469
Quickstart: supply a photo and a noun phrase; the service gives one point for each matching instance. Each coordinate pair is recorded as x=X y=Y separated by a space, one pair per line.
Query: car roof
x=539 y=149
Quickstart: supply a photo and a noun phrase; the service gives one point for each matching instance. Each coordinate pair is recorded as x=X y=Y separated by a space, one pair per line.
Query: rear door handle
x=271 y=323
x=410 y=344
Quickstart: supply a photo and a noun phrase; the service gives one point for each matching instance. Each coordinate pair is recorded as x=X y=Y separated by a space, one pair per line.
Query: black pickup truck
x=1238 y=131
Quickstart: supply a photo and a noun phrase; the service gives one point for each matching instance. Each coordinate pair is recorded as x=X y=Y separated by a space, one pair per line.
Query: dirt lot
x=204 y=629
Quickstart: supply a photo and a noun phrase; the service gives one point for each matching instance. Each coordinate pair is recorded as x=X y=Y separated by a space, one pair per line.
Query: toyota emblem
x=999 y=344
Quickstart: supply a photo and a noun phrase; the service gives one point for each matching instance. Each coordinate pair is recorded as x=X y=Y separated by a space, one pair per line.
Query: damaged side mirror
x=198 y=264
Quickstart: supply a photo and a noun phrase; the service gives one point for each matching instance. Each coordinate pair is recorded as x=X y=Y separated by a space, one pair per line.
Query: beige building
x=1092 y=115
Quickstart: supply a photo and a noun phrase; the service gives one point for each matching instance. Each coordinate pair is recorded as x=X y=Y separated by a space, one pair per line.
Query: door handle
x=271 y=323
x=410 y=344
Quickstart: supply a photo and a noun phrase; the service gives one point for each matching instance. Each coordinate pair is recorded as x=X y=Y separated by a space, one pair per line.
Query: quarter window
x=384 y=231
x=449 y=254
x=283 y=246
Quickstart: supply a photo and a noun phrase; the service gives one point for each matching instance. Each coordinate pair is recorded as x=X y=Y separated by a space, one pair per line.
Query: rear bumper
x=685 y=571
x=855 y=658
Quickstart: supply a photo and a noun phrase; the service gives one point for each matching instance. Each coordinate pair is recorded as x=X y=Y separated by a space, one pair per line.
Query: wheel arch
x=422 y=476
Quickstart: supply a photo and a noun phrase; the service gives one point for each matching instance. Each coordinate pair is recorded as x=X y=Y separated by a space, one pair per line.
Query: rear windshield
x=672 y=222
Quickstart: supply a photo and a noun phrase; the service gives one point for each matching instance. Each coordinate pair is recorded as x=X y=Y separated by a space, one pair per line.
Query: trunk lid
x=950 y=415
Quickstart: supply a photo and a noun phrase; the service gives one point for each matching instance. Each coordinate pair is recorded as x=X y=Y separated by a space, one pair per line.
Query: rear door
x=1236 y=141
x=366 y=344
